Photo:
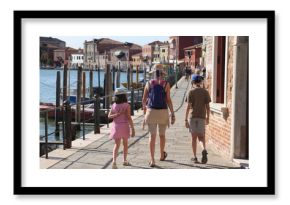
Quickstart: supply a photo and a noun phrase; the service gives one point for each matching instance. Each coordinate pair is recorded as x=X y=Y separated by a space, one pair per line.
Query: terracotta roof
x=104 y=41
x=59 y=49
x=120 y=47
x=70 y=49
x=108 y=41
x=164 y=44
x=155 y=42
x=49 y=46
x=137 y=54
x=131 y=46
x=194 y=46
x=135 y=46
x=49 y=39
x=78 y=51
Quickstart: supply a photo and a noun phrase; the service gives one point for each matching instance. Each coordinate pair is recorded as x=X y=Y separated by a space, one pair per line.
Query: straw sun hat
x=158 y=67
x=120 y=91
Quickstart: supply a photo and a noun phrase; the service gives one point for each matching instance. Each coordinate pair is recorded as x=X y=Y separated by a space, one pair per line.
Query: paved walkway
x=96 y=151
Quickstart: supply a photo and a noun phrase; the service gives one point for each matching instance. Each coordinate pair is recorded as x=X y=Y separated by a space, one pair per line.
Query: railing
x=44 y=114
x=65 y=111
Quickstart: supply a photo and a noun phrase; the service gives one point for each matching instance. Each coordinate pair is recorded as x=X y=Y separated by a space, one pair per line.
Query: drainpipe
x=233 y=122
x=240 y=73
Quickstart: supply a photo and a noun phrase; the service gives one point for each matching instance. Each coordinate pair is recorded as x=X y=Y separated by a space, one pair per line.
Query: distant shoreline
x=58 y=68
x=86 y=69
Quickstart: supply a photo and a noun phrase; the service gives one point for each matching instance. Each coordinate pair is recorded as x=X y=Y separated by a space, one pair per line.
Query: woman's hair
x=121 y=98
x=158 y=73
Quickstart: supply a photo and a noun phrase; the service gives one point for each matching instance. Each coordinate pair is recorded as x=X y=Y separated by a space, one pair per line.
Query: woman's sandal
x=126 y=163
x=172 y=119
x=151 y=164
x=114 y=165
x=165 y=155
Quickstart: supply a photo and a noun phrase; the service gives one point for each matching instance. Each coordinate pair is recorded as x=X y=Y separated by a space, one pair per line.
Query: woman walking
x=156 y=101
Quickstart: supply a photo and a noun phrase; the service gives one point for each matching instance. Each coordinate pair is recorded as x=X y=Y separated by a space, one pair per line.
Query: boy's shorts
x=197 y=126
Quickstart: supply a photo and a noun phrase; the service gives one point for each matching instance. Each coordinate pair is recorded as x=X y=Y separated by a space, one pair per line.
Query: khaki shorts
x=197 y=126
x=153 y=129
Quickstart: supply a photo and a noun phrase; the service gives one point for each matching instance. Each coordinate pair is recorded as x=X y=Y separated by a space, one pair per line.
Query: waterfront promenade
x=95 y=152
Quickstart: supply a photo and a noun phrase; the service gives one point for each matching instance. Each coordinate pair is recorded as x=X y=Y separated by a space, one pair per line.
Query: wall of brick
x=218 y=132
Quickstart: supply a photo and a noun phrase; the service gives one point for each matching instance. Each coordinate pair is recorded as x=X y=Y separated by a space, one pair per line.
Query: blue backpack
x=157 y=95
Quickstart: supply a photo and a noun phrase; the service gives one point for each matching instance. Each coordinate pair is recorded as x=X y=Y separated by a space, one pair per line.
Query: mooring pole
x=57 y=103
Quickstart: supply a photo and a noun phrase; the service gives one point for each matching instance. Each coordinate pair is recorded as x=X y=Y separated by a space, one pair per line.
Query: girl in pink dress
x=122 y=121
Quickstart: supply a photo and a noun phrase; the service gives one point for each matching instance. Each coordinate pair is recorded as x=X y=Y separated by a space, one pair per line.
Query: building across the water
x=47 y=47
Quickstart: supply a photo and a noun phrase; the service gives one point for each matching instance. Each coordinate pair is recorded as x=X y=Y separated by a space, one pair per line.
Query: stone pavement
x=96 y=151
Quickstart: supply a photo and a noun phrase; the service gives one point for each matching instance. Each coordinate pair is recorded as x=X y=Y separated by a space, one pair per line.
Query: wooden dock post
x=131 y=74
x=97 y=114
x=99 y=76
x=114 y=77
x=128 y=77
x=137 y=74
x=57 y=103
x=105 y=90
x=118 y=75
x=145 y=72
x=64 y=92
x=91 y=85
x=79 y=85
x=46 y=134
x=67 y=127
x=108 y=87
x=84 y=98
x=132 y=101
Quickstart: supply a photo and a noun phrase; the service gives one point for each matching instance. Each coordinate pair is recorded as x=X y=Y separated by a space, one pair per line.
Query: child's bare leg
x=125 y=148
x=115 y=150
x=193 y=143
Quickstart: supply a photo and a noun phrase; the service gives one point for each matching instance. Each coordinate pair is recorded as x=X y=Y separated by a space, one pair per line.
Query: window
x=219 y=73
x=220 y=69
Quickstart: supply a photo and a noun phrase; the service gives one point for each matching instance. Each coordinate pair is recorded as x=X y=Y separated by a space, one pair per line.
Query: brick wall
x=218 y=132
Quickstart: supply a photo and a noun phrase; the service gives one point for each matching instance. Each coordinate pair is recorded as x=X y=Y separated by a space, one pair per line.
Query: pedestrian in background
x=122 y=121
x=156 y=101
x=197 y=72
x=197 y=116
x=188 y=73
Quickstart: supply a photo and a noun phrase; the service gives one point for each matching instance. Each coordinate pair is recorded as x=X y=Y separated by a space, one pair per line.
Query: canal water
x=48 y=82
x=48 y=90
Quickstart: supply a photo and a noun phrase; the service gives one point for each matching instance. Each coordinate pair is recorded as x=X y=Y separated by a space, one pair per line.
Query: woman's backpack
x=157 y=95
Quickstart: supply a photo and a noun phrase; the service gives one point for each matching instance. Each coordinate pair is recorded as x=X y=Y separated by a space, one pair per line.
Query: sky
x=78 y=41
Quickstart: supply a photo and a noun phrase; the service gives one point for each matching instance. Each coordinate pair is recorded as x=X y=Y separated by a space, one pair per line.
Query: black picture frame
x=19 y=189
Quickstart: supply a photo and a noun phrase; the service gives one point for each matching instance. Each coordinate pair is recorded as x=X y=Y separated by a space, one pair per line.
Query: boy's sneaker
x=204 y=157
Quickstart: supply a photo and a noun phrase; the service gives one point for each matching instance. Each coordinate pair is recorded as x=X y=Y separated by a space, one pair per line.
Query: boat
x=72 y=96
x=86 y=113
x=134 y=85
x=47 y=107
